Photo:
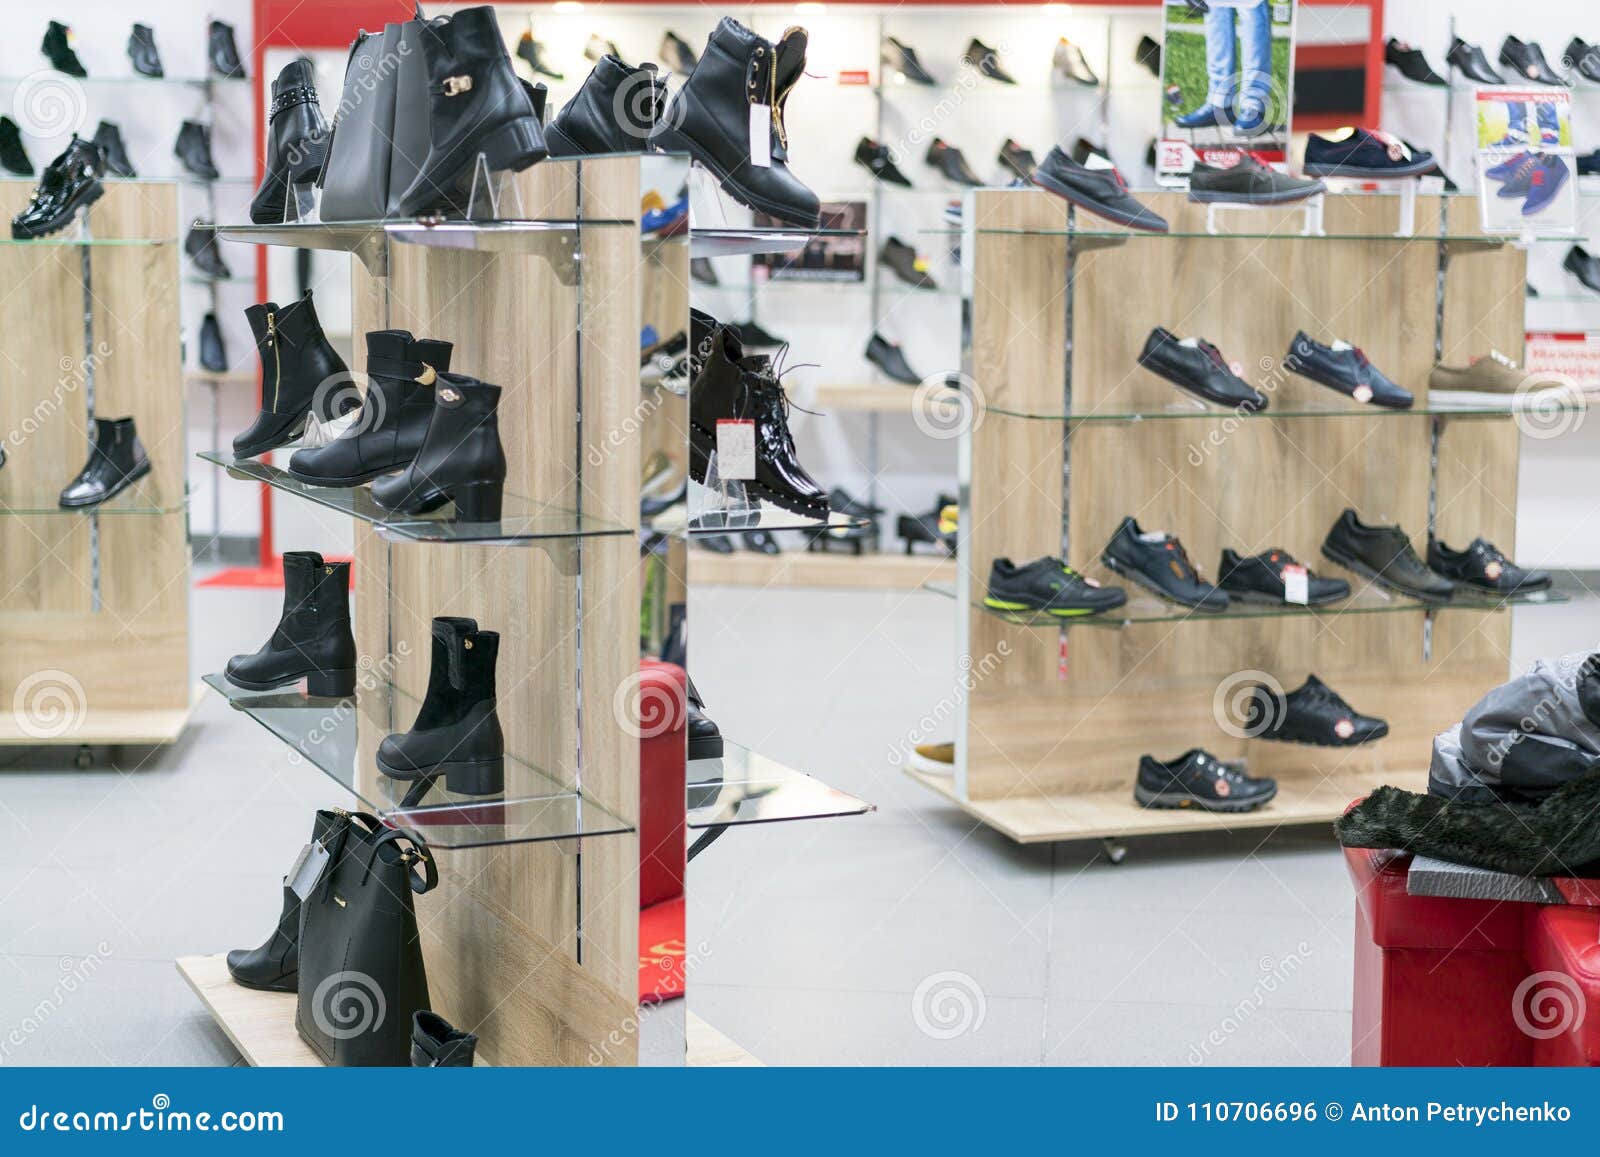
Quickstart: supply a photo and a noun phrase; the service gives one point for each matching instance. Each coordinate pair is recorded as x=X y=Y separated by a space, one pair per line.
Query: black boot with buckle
x=456 y=733
x=297 y=141
x=710 y=118
x=615 y=111
x=388 y=433
x=312 y=640
x=300 y=373
x=461 y=459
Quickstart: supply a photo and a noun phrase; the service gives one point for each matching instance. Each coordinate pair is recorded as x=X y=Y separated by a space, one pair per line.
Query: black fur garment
x=1558 y=837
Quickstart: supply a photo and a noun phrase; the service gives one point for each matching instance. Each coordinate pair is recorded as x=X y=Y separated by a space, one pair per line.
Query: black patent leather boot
x=297 y=141
x=301 y=375
x=435 y=1043
x=193 y=150
x=57 y=48
x=312 y=640
x=142 y=51
x=615 y=111
x=388 y=433
x=13 y=157
x=275 y=965
x=456 y=733
x=108 y=138
x=69 y=183
x=461 y=459
x=116 y=461
x=223 y=52
x=477 y=105
x=710 y=119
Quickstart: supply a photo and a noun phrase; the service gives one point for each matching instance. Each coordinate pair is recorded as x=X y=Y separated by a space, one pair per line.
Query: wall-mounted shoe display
x=532 y=53
x=1100 y=190
x=14 y=157
x=986 y=60
x=1263 y=578
x=1197 y=367
x=1049 y=586
x=614 y=111
x=1343 y=367
x=1157 y=561
x=297 y=141
x=142 y=52
x=1385 y=555
x=1198 y=779
x=891 y=360
x=950 y=162
x=1526 y=59
x=213 y=354
x=1469 y=58
x=193 y=150
x=902 y=60
x=461 y=459
x=1482 y=566
x=1312 y=713
x=1068 y=60
x=116 y=461
x=436 y=1043
x=879 y=161
x=302 y=376
x=456 y=733
x=57 y=48
x=1248 y=182
x=907 y=266
x=1356 y=152
x=69 y=183
x=200 y=246
x=1408 y=60
x=222 y=52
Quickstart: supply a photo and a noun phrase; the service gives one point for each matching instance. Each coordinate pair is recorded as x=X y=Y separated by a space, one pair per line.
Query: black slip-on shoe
x=987 y=61
x=902 y=58
x=1526 y=59
x=879 y=161
x=1410 y=62
x=951 y=163
x=889 y=358
x=1469 y=58
x=1197 y=367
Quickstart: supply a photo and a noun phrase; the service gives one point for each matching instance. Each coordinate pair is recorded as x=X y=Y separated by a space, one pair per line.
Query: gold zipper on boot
x=779 y=97
x=277 y=360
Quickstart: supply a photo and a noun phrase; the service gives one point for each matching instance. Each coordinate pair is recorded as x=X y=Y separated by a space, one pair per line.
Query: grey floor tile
x=1116 y=1033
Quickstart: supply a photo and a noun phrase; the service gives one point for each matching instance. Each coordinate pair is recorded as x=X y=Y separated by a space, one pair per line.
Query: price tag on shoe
x=1295 y=585
x=307 y=870
x=736 y=449
x=761 y=136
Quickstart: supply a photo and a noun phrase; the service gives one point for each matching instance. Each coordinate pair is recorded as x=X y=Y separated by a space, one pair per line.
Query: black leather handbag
x=361 y=970
x=355 y=177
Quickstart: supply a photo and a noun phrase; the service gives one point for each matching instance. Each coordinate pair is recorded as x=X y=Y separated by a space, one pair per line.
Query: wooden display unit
x=1049 y=738
x=94 y=603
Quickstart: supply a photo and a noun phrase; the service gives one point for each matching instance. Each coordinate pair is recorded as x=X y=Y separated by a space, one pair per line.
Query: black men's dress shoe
x=1198 y=367
x=1100 y=190
x=903 y=59
x=69 y=183
x=1248 y=182
x=1410 y=62
x=213 y=354
x=879 y=161
x=1482 y=567
x=532 y=53
x=1049 y=586
x=1343 y=367
x=116 y=461
x=987 y=61
x=108 y=137
x=1583 y=58
x=1385 y=555
x=193 y=150
x=949 y=161
x=1019 y=159
x=1069 y=61
x=1198 y=779
x=1469 y=58
x=839 y=499
x=223 y=52
x=13 y=157
x=1584 y=266
x=1311 y=713
x=200 y=244
x=677 y=55
x=907 y=266
x=889 y=358
x=57 y=47
x=1259 y=578
x=1157 y=561
x=1526 y=59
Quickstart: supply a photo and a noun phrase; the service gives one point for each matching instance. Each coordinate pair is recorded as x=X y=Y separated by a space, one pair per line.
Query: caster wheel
x=1115 y=852
x=85 y=758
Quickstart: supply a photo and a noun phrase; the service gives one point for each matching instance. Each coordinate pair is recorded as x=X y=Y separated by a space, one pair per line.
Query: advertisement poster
x=1526 y=160
x=1227 y=71
x=823 y=258
x=1572 y=355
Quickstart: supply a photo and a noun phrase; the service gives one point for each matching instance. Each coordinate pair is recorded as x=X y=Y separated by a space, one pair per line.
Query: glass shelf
x=522 y=520
x=143 y=497
x=323 y=731
x=1290 y=232
x=767 y=518
x=732 y=242
x=62 y=240
x=891 y=287
x=134 y=78
x=1143 y=607
x=746 y=788
x=1451 y=404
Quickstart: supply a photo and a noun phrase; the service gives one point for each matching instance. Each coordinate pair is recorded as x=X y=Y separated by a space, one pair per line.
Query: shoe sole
x=1283 y=198
x=127 y=481
x=91 y=193
x=461 y=777
x=1189 y=388
x=1138 y=577
x=1333 y=554
x=672 y=141
x=339 y=684
x=1060 y=613
x=1321 y=741
x=1414 y=169
x=1182 y=800
x=1265 y=599
x=1095 y=207
x=276 y=442
x=280 y=986
x=1339 y=388
x=355 y=480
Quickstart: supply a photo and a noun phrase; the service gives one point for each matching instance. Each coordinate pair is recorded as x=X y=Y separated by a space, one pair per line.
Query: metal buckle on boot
x=428 y=376
x=456 y=85
x=449 y=395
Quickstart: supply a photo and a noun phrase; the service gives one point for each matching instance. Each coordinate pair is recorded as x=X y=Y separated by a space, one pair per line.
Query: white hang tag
x=1296 y=585
x=736 y=449
x=761 y=136
x=307 y=871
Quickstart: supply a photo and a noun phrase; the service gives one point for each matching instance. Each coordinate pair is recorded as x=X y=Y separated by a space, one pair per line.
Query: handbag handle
x=417 y=853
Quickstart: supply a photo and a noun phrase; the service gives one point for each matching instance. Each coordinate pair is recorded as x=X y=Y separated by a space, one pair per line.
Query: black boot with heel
x=275 y=965
x=297 y=141
x=313 y=640
x=456 y=733
x=461 y=459
x=297 y=363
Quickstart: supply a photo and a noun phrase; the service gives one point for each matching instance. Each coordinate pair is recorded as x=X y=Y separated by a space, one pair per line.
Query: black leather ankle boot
x=193 y=150
x=312 y=640
x=13 y=157
x=108 y=138
x=57 y=48
x=213 y=353
x=435 y=1043
x=275 y=965
x=388 y=433
x=614 y=111
x=142 y=51
x=710 y=119
x=69 y=183
x=297 y=141
x=296 y=360
x=224 y=53
x=477 y=106
x=116 y=461
x=456 y=732
x=201 y=247
x=461 y=459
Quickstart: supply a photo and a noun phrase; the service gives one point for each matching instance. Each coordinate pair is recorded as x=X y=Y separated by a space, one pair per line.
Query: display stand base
x=1311 y=225
x=1404 y=187
x=132 y=728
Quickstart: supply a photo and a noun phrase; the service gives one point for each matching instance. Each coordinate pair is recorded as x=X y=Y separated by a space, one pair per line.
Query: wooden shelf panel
x=805 y=568
x=133 y=727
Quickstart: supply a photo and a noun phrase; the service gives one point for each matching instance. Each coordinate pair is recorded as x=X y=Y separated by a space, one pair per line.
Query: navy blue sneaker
x=1205 y=117
x=1343 y=367
x=1549 y=173
x=1360 y=153
x=1508 y=167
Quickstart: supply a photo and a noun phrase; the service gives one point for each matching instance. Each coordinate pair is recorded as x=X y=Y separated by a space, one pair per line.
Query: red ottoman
x=1434 y=977
x=663 y=710
x=1561 y=1001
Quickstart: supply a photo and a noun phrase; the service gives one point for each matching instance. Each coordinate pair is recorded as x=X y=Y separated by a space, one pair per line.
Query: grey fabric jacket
x=1522 y=740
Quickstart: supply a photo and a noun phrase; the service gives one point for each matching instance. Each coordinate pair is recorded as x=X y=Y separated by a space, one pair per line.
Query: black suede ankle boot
x=477 y=105
x=435 y=1043
x=461 y=459
x=710 y=119
x=300 y=373
x=142 y=51
x=456 y=733
x=615 y=111
x=297 y=141
x=388 y=433
x=312 y=640
x=275 y=965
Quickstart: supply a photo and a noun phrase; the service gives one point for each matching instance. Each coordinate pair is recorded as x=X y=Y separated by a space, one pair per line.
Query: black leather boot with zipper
x=436 y=1043
x=710 y=118
x=388 y=433
x=461 y=459
x=312 y=640
x=297 y=141
x=275 y=965
x=456 y=733
x=296 y=360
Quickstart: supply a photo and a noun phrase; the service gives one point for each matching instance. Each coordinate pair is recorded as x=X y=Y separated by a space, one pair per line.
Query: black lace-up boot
x=297 y=141
x=300 y=374
x=456 y=733
x=312 y=640
x=461 y=459
x=615 y=111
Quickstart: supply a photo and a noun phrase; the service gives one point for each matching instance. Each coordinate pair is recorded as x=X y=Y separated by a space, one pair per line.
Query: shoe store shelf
x=549 y=238
x=875 y=398
x=143 y=497
x=522 y=521
x=1118 y=236
x=1143 y=607
x=1540 y=404
x=890 y=288
x=141 y=81
x=733 y=242
x=326 y=733
x=743 y=788
x=870 y=570
x=75 y=242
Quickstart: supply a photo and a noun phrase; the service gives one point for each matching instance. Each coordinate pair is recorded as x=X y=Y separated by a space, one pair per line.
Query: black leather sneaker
x=907 y=266
x=1258 y=578
x=1528 y=62
x=1343 y=367
x=1248 y=182
x=1481 y=566
x=1197 y=367
x=987 y=61
x=889 y=358
x=1411 y=63
x=1385 y=555
x=1198 y=779
x=1018 y=159
x=1469 y=58
x=1158 y=562
x=1099 y=190
x=1048 y=585
x=1312 y=713
x=879 y=161
x=949 y=161
x=903 y=59
x=939 y=526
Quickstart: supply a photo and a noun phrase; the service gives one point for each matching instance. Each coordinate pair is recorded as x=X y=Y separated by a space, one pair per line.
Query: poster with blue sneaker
x=1227 y=69
x=1526 y=164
